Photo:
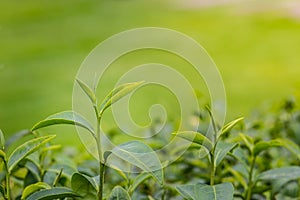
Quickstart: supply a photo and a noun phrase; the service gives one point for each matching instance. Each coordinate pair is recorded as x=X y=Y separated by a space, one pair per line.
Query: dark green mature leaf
x=33 y=168
x=88 y=91
x=84 y=185
x=142 y=156
x=230 y=125
x=25 y=149
x=200 y=191
x=263 y=145
x=119 y=193
x=222 y=149
x=33 y=188
x=138 y=180
x=118 y=93
x=53 y=193
x=195 y=137
x=66 y=117
x=2 y=140
x=290 y=173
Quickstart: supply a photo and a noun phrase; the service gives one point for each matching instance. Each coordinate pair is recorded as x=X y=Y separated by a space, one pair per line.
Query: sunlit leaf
x=25 y=149
x=230 y=125
x=87 y=90
x=66 y=117
x=141 y=156
x=118 y=93
x=247 y=140
x=195 y=137
x=200 y=191
x=53 y=193
x=33 y=188
x=119 y=193
x=84 y=185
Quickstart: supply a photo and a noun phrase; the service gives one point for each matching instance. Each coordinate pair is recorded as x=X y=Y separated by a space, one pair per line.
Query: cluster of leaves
x=244 y=159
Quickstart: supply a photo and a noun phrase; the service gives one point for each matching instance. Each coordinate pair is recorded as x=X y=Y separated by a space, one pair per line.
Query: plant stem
x=101 y=162
x=251 y=184
x=212 y=169
x=7 y=181
x=164 y=193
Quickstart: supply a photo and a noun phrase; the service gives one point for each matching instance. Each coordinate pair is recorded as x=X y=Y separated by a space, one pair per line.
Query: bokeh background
x=255 y=44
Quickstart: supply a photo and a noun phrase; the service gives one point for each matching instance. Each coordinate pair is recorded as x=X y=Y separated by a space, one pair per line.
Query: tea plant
x=251 y=159
x=134 y=152
x=216 y=150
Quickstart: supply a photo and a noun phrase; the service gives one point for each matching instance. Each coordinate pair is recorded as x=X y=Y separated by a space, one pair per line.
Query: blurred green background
x=255 y=44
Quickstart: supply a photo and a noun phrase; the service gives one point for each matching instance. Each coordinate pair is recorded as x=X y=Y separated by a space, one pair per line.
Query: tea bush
x=252 y=158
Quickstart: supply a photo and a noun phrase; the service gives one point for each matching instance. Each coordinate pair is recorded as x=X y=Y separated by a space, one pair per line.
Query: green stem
x=7 y=181
x=212 y=169
x=101 y=162
x=164 y=193
x=251 y=184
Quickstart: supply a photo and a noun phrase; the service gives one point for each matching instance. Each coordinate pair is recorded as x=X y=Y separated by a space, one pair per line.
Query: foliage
x=245 y=159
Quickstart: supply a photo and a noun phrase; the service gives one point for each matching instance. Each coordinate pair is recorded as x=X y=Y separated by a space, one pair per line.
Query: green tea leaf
x=138 y=180
x=141 y=156
x=222 y=149
x=119 y=193
x=195 y=137
x=66 y=117
x=53 y=193
x=118 y=93
x=84 y=185
x=15 y=137
x=230 y=125
x=200 y=191
x=290 y=145
x=25 y=149
x=290 y=173
x=2 y=140
x=2 y=154
x=88 y=91
x=247 y=140
x=263 y=145
x=33 y=168
x=33 y=188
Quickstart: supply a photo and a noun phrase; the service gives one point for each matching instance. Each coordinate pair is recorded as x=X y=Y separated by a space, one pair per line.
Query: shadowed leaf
x=53 y=193
x=141 y=156
x=84 y=185
x=119 y=193
x=200 y=191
